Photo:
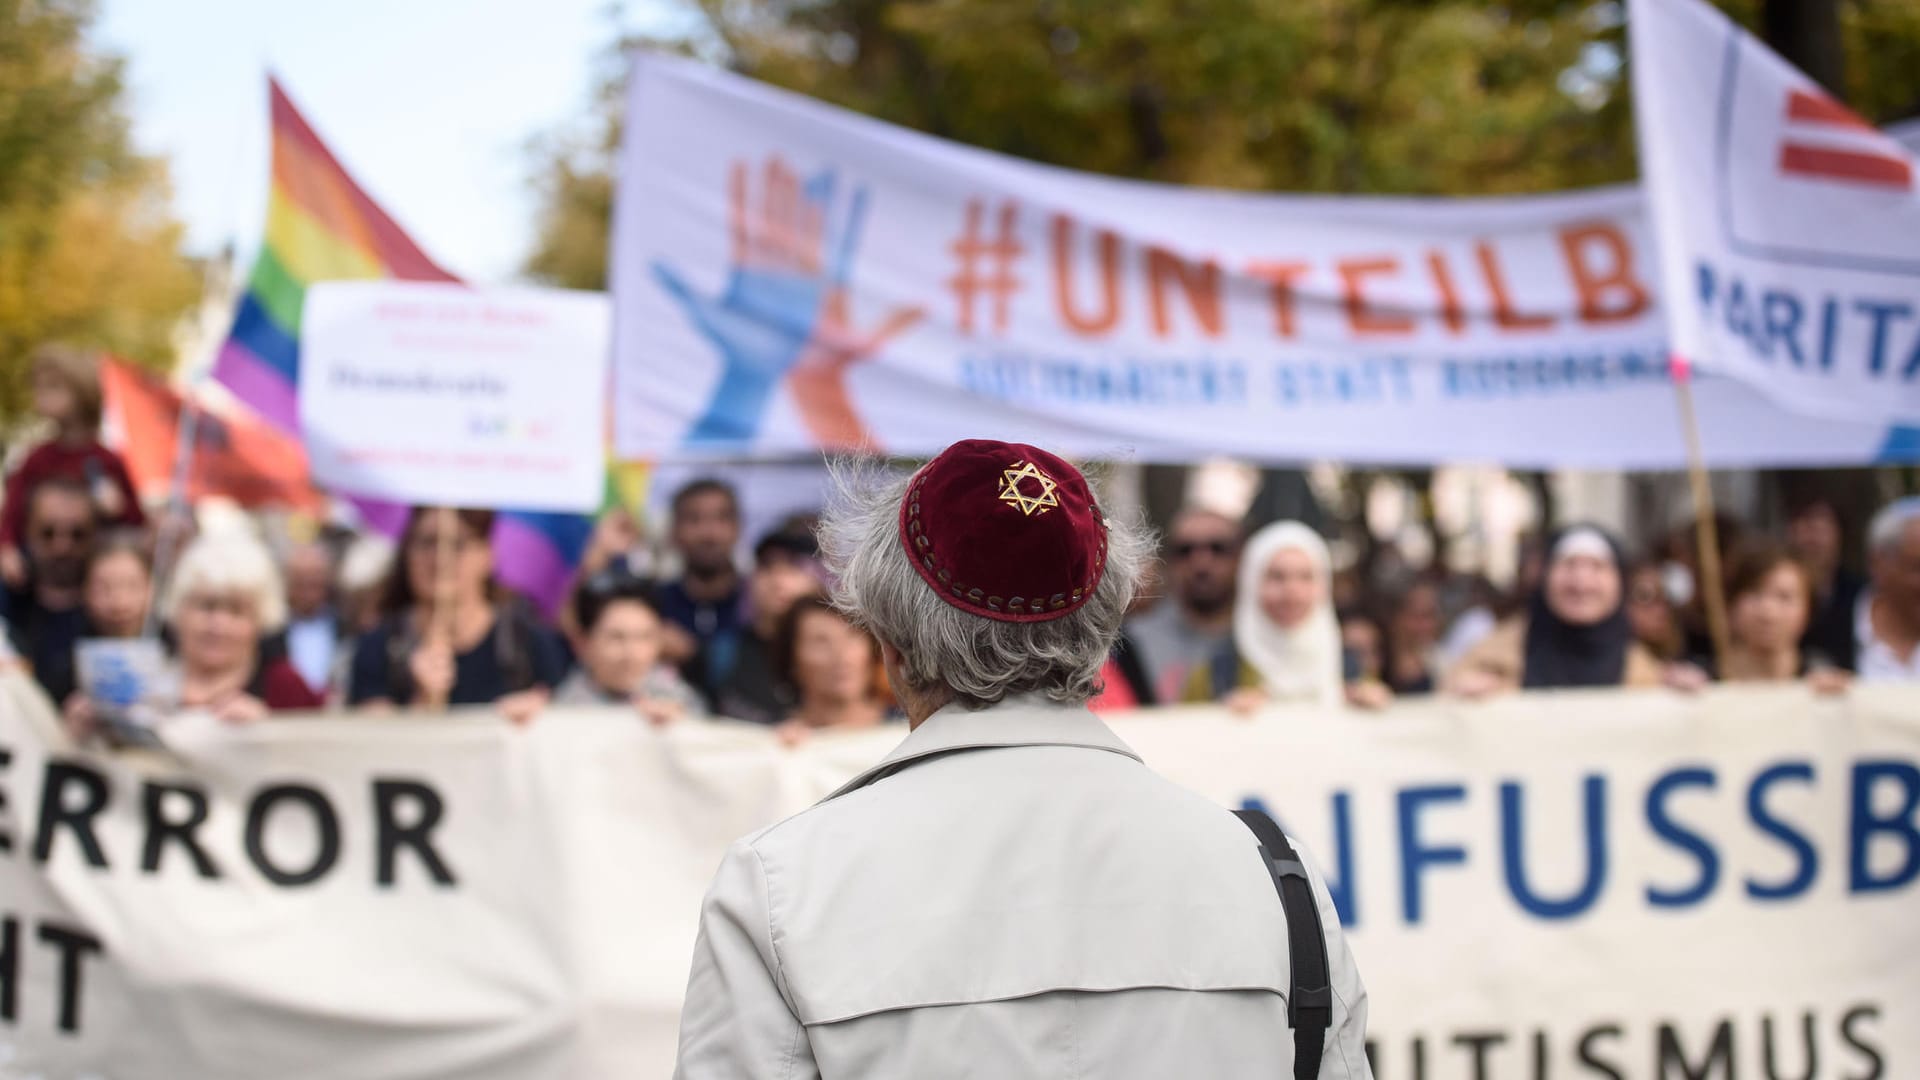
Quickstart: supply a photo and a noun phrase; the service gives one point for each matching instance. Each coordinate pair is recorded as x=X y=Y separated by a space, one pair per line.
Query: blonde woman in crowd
x=225 y=597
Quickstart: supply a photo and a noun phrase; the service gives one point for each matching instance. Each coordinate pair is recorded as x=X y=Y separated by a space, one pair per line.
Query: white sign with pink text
x=446 y=395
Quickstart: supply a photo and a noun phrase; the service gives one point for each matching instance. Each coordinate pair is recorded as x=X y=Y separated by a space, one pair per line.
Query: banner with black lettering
x=1599 y=885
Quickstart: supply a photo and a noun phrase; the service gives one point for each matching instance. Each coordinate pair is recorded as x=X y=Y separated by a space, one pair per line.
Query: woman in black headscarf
x=1575 y=632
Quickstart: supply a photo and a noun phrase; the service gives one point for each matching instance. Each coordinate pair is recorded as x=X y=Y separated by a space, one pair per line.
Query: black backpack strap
x=1309 y=981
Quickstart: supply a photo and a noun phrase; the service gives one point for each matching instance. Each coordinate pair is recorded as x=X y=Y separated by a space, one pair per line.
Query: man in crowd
x=786 y=567
x=1012 y=887
x=313 y=631
x=1887 y=627
x=1813 y=536
x=1193 y=623
x=706 y=603
x=44 y=616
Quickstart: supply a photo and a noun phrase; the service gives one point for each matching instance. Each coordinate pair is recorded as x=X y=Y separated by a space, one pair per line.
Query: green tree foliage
x=1438 y=97
x=89 y=252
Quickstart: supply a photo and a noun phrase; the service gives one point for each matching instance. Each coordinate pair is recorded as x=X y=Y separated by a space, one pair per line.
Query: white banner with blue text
x=1788 y=228
x=1558 y=887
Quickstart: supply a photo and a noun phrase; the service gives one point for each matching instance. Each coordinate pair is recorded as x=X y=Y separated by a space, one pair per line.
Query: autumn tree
x=89 y=250
x=1448 y=97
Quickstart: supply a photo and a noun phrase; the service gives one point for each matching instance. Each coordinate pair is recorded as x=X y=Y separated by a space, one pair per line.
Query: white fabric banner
x=1568 y=886
x=1788 y=228
x=445 y=395
x=791 y=276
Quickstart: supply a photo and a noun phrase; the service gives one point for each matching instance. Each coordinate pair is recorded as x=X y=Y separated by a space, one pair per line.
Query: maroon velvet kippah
x=1005 y=531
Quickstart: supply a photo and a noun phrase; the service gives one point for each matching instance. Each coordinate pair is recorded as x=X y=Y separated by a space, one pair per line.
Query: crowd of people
x=1264 y=618
x=1245 y=620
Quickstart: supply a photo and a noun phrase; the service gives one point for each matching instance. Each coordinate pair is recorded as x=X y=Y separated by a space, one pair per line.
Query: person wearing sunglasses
x=45 y=614
x=1656 y=621
x=1194 y=621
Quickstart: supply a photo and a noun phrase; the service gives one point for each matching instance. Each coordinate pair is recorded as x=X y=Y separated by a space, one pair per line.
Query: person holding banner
x=1011 y=892
x=1286 y=641
x=1576 y=632
x=1194 y=621
x=448 y=635
x=832 y=667
x=617 y=632
x=224 y=599
x=1769 y=601
x=118 y=587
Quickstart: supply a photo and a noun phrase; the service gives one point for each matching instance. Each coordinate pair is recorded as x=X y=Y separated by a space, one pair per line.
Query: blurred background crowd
x=695 y=618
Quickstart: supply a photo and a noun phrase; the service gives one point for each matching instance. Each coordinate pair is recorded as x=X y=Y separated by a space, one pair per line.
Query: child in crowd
x=618 y=639
x=66 y=394
x=119 y=586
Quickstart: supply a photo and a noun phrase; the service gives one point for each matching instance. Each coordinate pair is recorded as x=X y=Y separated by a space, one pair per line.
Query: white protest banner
x=790 y=276
x=1907 y=133
x=445 y=395
x=1788 y=229
x=1546 y=887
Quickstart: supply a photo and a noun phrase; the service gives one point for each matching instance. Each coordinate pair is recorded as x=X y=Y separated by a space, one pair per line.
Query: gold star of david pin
x=1012 y=494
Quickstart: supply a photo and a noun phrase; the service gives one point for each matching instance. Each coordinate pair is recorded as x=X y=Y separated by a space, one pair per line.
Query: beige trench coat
x=1011 y=894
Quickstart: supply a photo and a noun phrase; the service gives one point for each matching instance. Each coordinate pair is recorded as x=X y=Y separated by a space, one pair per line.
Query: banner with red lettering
x=790 y=276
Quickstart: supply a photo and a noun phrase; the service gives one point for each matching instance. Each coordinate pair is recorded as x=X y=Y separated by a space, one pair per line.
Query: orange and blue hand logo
x=785 y=311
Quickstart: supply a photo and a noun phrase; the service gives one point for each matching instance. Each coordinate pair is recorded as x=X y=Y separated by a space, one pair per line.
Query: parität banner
x=789 y=276
x=1598 y=885
x=1788 y=227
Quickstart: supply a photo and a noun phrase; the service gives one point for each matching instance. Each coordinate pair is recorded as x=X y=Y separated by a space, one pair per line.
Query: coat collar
x=1022 y=720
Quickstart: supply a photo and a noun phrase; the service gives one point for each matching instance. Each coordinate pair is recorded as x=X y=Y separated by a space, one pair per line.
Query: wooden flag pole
x=443 y=624
x=168 y=537
x=1706 y=531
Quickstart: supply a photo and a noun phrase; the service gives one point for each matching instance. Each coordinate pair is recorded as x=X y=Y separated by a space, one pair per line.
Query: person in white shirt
x=1887 y=620
x=1011 y=893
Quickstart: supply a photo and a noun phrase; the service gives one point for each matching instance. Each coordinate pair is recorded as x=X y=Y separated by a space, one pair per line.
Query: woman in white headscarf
x=1286 y=641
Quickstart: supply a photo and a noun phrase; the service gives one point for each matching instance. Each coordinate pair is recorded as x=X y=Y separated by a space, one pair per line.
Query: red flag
x=234 y=458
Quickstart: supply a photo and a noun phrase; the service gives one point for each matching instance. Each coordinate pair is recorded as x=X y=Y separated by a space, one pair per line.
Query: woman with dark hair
x=1655 y=618
x=1769 y=601
x=1575 y=633
x=1412 y=626
x=617 y=637
x=830 y=664
x=448 y=635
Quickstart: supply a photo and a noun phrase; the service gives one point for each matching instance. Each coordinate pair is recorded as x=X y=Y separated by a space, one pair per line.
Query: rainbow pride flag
x=321 y=226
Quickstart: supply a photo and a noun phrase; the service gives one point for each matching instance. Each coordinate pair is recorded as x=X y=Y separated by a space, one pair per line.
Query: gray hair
x=1884 y=533
x=229 y=563
x=979 y=660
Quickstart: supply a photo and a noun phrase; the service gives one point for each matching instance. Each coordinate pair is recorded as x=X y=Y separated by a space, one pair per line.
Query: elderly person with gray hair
x=1011 y=892
x=225 y=597
x=1887 y=620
